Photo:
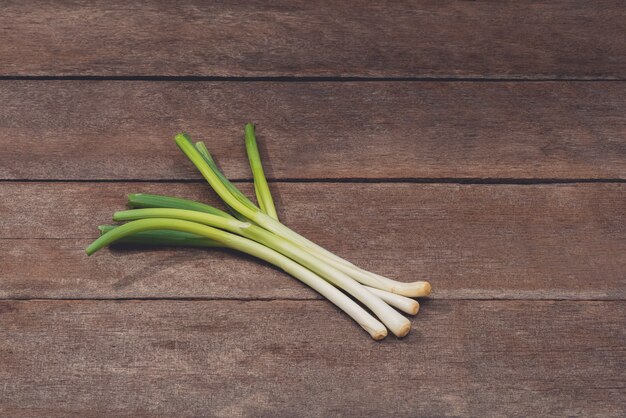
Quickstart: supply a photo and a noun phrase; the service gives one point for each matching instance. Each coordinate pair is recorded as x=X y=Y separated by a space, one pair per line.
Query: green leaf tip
x=145 y=200
x=261 y=188
x=182 y=136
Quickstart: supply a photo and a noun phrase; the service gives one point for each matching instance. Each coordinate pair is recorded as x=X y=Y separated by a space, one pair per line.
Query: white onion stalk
x=256 y=230
x=406 y=305
x=374 y=327
x=177 y=238
x=210 y=173
x=412 y=289
x=397 y=323
x=261 y=189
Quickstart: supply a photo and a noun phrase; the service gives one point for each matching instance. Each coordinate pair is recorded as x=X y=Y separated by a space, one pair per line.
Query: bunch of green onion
x=256 y=230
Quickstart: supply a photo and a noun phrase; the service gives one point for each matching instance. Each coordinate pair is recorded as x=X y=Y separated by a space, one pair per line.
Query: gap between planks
x=346 y=180
x=288 y=299
x=298 y=79
x=481 y=241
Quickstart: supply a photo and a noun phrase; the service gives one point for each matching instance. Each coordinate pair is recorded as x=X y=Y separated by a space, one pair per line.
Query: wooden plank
x=280 y=358
x=123 y=130
x=429 y=38
x=470 y=241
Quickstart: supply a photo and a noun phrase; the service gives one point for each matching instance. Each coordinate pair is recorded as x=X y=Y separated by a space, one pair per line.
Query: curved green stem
x=376 y=329
x=261 y=188
x=398 y=324
x=145 y=200
x=163 y=238
x=204 y=152
x=184 y=143
x=184 y=239
x=419 y=288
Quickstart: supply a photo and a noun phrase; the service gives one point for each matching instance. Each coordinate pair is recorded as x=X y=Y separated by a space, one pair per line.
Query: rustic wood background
x=484 y=143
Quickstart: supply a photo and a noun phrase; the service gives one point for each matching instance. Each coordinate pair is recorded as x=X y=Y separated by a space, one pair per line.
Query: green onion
x=406 y=305
x=210 y=173
x=163 y=238
x=376 y=329
x=255 y=230
x=204 y=152
x=398 y=324
x=414 y=289
x=185 y=239
x=144 y=200
x=262 y=190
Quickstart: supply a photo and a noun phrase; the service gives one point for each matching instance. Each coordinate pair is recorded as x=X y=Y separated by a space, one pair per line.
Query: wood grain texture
x=123 y=130
x=470 y=241
x=236 y=337
x=431 y=38
x=288 y=358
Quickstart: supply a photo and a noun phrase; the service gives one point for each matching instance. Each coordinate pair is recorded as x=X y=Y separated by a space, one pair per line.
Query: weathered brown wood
x=123 y=130
x=431 y=38
x=471 y=241
x=289 y=358
x=262 y=355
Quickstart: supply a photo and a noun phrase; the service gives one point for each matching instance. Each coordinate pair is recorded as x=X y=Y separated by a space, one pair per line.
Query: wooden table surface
x=480 y=145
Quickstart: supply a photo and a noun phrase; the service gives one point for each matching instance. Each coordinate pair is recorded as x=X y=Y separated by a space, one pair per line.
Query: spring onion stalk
x=144 y=200
x=224 y=189
x=374 y=327
x=163 y=238
x=204 y=152
x=220 y=187
x=262 y=190
x=398 y=324
x=202 y=149
x=406 y=305
x=419 y=288
x=184 y=239
x=412 y=289
x=234 y=198
x=256 y=230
